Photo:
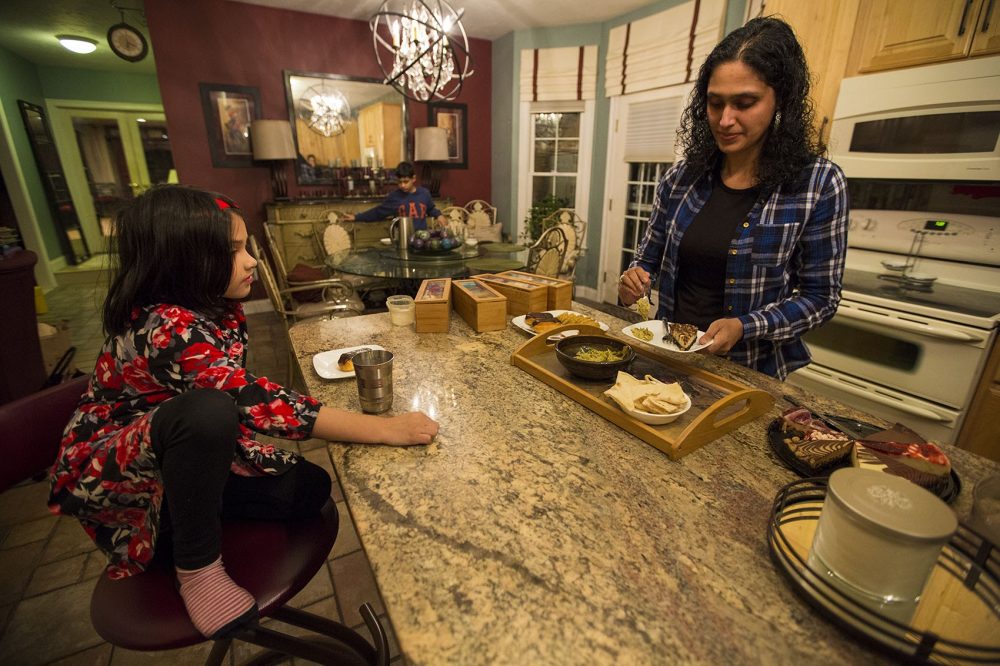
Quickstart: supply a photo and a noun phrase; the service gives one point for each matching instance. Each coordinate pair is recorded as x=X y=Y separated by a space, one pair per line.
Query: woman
x=163 y=440
x=749 y=231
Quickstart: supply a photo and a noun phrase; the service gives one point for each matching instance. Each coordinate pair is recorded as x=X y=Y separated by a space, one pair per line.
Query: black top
x=702 y=255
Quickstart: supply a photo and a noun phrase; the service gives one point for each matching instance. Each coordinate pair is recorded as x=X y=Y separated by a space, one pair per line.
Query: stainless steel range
x=921 y=304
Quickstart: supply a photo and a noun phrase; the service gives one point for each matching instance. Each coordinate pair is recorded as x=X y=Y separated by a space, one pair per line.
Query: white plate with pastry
x=558 y=318
x=659 y=330
x=337 y=363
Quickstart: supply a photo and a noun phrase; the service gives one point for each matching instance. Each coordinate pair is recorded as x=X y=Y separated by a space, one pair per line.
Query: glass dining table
x=391 y=263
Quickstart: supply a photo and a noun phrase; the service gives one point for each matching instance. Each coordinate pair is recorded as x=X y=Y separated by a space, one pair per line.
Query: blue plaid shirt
x=785 y=266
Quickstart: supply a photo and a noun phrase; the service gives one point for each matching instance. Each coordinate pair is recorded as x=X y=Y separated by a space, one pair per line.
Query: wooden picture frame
x=454 y=117
x=229 y=110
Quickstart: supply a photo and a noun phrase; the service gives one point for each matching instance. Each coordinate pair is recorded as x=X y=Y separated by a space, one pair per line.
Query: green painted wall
x=506 y=94
x=19 y=80
x=95 y=85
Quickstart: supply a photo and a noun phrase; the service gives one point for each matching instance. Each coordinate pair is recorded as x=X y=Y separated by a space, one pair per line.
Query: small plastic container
x=401 y=310
x=878 y=539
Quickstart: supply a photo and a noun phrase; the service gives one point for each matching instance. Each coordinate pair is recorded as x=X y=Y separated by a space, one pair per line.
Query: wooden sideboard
x=296 y=220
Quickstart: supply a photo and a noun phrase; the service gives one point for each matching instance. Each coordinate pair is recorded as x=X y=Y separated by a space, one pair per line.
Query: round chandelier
x=325 y=110
x=422 y=48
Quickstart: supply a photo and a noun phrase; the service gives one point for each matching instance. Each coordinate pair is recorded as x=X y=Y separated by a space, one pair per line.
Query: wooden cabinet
x=825 y=29
x=981 y=430
x=379 y=131
x=904 y=33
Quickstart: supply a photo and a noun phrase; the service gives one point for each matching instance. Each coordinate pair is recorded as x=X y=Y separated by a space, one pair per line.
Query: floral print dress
x=106 y=474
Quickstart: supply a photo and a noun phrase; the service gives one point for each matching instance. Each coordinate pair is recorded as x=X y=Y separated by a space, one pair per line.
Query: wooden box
x=432 y=306
x=522 y=297
x=560 y=295
x=482 y=308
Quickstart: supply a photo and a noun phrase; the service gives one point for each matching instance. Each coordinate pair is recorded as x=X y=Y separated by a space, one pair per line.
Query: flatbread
x=647 y=395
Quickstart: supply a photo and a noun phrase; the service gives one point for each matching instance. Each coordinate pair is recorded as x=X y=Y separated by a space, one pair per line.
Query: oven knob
x=852 y=224
x=870 y=224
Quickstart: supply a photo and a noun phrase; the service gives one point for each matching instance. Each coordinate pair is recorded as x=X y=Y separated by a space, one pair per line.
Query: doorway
x=111 y=154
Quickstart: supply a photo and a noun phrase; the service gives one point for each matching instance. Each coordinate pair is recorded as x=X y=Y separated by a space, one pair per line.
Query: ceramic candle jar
x=878 y=538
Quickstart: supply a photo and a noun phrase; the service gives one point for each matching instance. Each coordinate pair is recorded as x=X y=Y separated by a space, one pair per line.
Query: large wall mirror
x=341 y=122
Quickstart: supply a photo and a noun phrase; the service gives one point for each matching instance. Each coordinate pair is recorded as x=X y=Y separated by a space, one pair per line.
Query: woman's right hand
x=348 y=217
x=633 y=285
x=410 y=428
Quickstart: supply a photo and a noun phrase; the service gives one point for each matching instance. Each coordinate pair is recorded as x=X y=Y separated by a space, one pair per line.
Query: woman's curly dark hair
x=768 y=46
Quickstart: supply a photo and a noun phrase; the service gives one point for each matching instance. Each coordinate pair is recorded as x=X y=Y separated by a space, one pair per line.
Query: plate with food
x=339 y=363
x=649 y=400
x=539 y=322
x=808 y=446
x=667 y=335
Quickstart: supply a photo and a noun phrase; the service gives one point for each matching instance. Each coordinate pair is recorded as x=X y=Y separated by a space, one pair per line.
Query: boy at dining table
x=407 y=200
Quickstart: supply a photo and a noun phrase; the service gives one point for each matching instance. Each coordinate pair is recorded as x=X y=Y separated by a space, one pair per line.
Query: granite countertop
x=534 y=531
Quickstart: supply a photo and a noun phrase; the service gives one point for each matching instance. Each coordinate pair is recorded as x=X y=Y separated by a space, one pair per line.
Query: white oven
x=938 y=122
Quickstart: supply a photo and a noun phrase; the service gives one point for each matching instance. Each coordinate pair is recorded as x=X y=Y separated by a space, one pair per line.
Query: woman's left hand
x=724 y=333
x=442 y=221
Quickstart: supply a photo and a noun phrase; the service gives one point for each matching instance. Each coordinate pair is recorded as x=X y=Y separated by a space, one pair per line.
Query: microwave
x=936 y=122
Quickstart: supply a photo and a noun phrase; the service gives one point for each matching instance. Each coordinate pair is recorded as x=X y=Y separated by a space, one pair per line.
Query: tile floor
x=48 y=566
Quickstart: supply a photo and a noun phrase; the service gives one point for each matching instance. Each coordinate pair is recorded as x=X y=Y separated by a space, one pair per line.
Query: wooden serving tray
x=718 y=405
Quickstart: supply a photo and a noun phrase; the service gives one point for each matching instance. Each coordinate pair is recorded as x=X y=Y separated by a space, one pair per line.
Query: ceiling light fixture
x=325 y=110
x=77 y=44
x=422 y=48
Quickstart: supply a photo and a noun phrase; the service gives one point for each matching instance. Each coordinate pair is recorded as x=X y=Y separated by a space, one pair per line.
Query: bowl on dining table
x=568 y=348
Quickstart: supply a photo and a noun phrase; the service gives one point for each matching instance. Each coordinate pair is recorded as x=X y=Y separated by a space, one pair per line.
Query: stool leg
x=220 y=649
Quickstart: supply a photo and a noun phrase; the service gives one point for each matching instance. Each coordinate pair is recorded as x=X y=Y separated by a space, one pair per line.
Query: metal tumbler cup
x=373 y=370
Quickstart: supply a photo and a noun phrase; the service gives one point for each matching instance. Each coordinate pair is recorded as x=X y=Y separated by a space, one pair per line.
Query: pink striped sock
x=215 y=603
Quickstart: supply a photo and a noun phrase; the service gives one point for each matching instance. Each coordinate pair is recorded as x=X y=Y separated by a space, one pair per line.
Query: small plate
x=325 y=363
x=894 y=264
x=518 y=321
x=552 y=339
x=659 y=329
x=385 y=241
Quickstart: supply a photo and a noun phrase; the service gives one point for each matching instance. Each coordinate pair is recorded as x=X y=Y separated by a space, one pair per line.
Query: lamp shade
x=430 y=144
x=272 y=140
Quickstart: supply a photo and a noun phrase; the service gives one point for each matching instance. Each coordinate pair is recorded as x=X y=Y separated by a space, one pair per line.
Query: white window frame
x=526 y=155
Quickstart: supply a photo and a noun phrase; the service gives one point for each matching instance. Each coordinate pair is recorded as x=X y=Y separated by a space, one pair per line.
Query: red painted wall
x=217 y=41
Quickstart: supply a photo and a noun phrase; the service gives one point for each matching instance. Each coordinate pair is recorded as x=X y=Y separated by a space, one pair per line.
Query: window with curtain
x=555 y=144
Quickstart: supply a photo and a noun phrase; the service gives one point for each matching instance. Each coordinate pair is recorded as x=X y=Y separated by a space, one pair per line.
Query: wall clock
x=127 y=42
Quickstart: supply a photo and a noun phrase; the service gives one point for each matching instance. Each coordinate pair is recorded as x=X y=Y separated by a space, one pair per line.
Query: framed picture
x=229 y=110
x=453 y=117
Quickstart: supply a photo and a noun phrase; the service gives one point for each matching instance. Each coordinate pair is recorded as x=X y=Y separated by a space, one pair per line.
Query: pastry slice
x=819 y=449
x=346 y=361
x=682 y=335
x=924 y=464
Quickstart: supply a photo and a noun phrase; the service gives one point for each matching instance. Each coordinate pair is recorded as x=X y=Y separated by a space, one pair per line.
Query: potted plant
x=538 y=212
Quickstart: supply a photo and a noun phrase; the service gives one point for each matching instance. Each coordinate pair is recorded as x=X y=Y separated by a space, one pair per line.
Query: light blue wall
x=506 y=94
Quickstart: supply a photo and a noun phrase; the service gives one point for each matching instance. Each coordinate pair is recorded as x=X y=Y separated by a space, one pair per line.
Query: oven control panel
x=969 y=238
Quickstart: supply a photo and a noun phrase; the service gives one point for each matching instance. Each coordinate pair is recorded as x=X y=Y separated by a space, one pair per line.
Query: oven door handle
x=910 y=326
x=912 y=410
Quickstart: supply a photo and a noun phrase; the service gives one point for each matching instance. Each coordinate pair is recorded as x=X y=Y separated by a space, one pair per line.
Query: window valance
x=664 y=49
x=559 y=74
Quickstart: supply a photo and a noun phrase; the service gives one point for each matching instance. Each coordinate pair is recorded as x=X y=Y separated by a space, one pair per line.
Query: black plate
x=776 y=438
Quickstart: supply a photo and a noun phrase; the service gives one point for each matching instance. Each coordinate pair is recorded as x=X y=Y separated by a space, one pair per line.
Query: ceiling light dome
x=77 y=44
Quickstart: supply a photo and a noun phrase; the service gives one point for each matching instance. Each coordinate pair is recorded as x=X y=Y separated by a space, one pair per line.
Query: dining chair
x=546 y=255
x=273 y=561
x=458 y=219
x=336 y=237
x=575 y=230
x=482 y=221
x=338 y=299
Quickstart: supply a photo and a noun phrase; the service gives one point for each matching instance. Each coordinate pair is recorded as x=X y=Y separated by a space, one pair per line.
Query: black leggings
x=194 y=438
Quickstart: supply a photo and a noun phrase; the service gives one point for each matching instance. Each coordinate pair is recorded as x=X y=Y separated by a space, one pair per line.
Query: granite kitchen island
x=533 y=531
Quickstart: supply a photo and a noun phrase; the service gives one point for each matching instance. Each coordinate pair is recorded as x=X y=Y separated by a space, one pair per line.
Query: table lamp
x=430 y=144
x=272 y=142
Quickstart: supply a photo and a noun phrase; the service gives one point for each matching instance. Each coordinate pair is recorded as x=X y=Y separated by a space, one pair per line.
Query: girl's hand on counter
x=723 y=333
x=633 y=285
x=410 y=428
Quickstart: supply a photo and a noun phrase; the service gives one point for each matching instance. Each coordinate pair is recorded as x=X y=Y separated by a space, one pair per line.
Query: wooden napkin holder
x=522 y=297
x=482 y=308
x=432 y=306
x=560 y=292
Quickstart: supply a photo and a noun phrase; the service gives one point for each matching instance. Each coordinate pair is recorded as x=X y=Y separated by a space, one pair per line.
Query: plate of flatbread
x=539 y=322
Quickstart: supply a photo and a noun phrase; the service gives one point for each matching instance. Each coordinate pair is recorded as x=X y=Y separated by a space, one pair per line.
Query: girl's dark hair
x=768 y=46
x=172 y=245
